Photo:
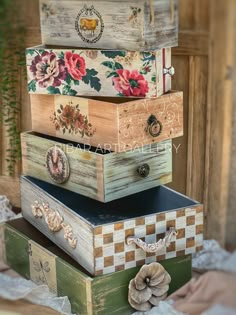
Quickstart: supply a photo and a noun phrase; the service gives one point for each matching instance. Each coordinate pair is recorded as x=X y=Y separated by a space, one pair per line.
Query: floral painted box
x=92 y=171
x=80 y=72
x=34 y=257
x=116 y=124
x=138 y=25
x=155 y=225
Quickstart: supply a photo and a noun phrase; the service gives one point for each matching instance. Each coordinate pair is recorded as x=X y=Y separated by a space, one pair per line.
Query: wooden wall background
x=202 y=157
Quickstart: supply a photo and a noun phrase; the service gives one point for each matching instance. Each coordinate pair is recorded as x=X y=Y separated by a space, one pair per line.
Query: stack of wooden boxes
x=103 y=118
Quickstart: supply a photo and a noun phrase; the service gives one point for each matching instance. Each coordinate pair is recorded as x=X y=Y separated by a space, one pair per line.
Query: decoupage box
x=150 y=226
x=136 y=25
x=34 y=257
x=81 y=72
x=118 y=124
x=92 y=171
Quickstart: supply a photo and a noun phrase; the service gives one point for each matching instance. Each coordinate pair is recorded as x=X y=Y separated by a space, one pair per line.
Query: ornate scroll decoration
x=55 y=221
x=153 y=248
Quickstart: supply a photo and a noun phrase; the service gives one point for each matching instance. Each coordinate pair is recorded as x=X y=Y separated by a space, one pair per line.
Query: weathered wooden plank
x=197 y=127
x=147 y=26
x=181 y=82
x=220 y=119
x=192 y=43
x=84 y=72
x=121 y=173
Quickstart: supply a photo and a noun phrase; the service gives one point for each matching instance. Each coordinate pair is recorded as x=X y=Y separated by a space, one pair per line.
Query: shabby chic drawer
x=81 y=72
x=114 y=24
x=118 y=124
x=34 y=257
x=151 y=226
x=93 y=171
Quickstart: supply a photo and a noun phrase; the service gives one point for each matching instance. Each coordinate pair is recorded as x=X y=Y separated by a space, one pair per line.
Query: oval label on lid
x=89 y=24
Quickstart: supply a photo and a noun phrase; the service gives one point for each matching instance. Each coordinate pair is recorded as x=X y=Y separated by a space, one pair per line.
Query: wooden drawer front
x=86 y=24
x=66 y=278
x=115 y=73
x=95 y=173
x=102 y=231
x=114 y=123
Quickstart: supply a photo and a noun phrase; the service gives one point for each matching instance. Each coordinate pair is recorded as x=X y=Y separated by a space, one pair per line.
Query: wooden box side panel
x=84 y=176
x=83 y=251
x=75 y=285
x=104 y=73
x=16 y=251
x=81 y=120
x=164 y=22
x=112 y=253
x=110 y=293
x=133 y=120
x=67 y=22
x=120 y=171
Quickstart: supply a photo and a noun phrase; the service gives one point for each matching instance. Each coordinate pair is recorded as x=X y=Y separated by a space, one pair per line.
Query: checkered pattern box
x=154 y=225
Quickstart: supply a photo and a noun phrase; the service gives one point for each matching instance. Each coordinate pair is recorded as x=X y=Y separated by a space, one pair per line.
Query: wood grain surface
x=68 y=23
x=116 y=124
x=100 y=176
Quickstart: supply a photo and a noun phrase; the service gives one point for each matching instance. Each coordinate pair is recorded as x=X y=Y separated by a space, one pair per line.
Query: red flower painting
x=75 y=65
x=130 y=83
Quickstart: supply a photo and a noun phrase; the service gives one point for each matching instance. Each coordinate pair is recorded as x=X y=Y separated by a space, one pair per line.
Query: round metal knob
x=154 y=126
x=143 y=170
x=170 y=71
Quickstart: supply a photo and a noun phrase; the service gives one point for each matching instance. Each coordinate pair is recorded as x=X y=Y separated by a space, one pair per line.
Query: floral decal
x=59 y=73
x=130 y=82
x=68 y=118
x=48 y=70
x=88 y=72
x=75 y=65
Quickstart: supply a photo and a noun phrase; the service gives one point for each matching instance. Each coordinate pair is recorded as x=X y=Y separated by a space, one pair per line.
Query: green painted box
x=33 y=256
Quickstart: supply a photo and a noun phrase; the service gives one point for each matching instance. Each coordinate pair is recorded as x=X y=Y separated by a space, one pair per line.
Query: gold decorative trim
x=153 y=248
x=55 y=221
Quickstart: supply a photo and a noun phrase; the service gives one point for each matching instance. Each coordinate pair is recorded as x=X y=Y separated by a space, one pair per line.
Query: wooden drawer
x=80 y=72
x=116 y=124
x=101 y=237
x=95 y=172
x=28 y=252
x=140 y=25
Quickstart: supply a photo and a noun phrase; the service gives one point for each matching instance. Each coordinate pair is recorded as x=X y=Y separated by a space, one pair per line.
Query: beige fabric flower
x=149 y=287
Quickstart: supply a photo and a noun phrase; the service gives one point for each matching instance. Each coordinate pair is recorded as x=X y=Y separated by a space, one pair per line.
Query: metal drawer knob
x=143 y=170
x=170 y=71
x=154 y=126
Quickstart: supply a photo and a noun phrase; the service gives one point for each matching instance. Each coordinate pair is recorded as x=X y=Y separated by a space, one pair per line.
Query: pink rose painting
x=75 y=65
x=48 y=70
x=60 y=72
x=130 y=83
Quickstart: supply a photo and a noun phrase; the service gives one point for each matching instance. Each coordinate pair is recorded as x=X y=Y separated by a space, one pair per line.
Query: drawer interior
x=156 y=200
